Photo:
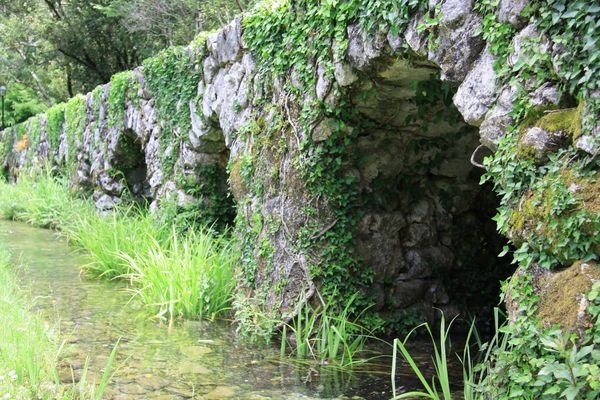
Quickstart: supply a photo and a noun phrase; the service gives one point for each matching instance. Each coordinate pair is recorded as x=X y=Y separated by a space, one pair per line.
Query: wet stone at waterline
x=192 y=360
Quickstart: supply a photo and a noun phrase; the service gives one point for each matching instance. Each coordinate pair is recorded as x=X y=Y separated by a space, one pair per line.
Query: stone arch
x=426 y=226
x=201 y=177
x=119 y=169
x=130 y=167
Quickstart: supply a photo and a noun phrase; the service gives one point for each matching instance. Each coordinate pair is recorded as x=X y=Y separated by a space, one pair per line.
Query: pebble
x=221 y=392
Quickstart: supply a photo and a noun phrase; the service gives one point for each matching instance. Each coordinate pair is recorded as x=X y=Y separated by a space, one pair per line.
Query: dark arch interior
x=132 y=169
x=427 y=228
x=202 y=176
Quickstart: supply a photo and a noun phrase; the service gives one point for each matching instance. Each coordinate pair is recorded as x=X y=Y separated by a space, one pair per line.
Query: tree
x=94 y=45
x=26 y=56
x=58 y=48
x=21 y=103
x=173 y=22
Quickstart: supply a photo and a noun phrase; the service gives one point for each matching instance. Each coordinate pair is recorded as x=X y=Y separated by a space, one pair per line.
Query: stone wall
x=412 y=215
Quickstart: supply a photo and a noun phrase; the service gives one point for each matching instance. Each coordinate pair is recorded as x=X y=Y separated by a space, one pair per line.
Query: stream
x=191 y=360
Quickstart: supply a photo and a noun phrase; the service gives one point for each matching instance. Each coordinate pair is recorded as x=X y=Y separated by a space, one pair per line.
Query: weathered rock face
x=406 y=160
x=562 y=295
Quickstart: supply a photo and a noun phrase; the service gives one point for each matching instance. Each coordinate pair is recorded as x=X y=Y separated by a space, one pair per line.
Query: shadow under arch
x=426 y=223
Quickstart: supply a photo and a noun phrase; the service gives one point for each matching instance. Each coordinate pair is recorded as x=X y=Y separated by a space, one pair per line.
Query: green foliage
x=34 y=132
x=497 y=34
x=7 y=144
x=544 y=209
x=540 y=210
x=574 y=25
x=172 y=77
x=55 y=119
x=279 y=31
x=21 y=103
x=121 y=85
x=75 y=122
x=172 y=22
x=543 y=363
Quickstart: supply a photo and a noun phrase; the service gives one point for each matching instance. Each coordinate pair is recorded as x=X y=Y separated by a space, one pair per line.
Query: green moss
x=55 y=117
x=236 y=182
x=567 y=121
x=561 y=298
x=589 y=194
x=526 y=213
x=121 y=87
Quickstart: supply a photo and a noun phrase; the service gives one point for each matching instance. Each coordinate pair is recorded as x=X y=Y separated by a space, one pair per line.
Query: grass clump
x=44 y=202
x=126 y=231
x=188 y=277
x=28 y=347
x=322 y=334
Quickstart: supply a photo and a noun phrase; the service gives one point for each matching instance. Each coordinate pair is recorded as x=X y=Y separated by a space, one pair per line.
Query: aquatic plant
x=86 y=391
x=475 y=367
x=441 y=379
x=325 y=334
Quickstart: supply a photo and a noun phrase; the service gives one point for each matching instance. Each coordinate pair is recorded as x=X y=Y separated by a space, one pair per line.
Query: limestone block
x=476 y=95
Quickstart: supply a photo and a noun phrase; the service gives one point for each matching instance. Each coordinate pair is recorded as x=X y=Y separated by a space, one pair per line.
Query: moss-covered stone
x=545 y=130
x=567 y=121
x=562 y=296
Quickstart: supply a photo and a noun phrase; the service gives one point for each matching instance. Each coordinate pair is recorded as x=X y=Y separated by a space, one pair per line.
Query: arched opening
x=130 y=168
x=4 y=172
x=427 y=228
x=202 y=179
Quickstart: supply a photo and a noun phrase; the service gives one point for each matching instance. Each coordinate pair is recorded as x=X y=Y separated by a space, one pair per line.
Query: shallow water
x=193 y=360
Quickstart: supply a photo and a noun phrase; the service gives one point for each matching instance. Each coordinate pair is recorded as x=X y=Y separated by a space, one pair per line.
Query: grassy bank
x=177 y=275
